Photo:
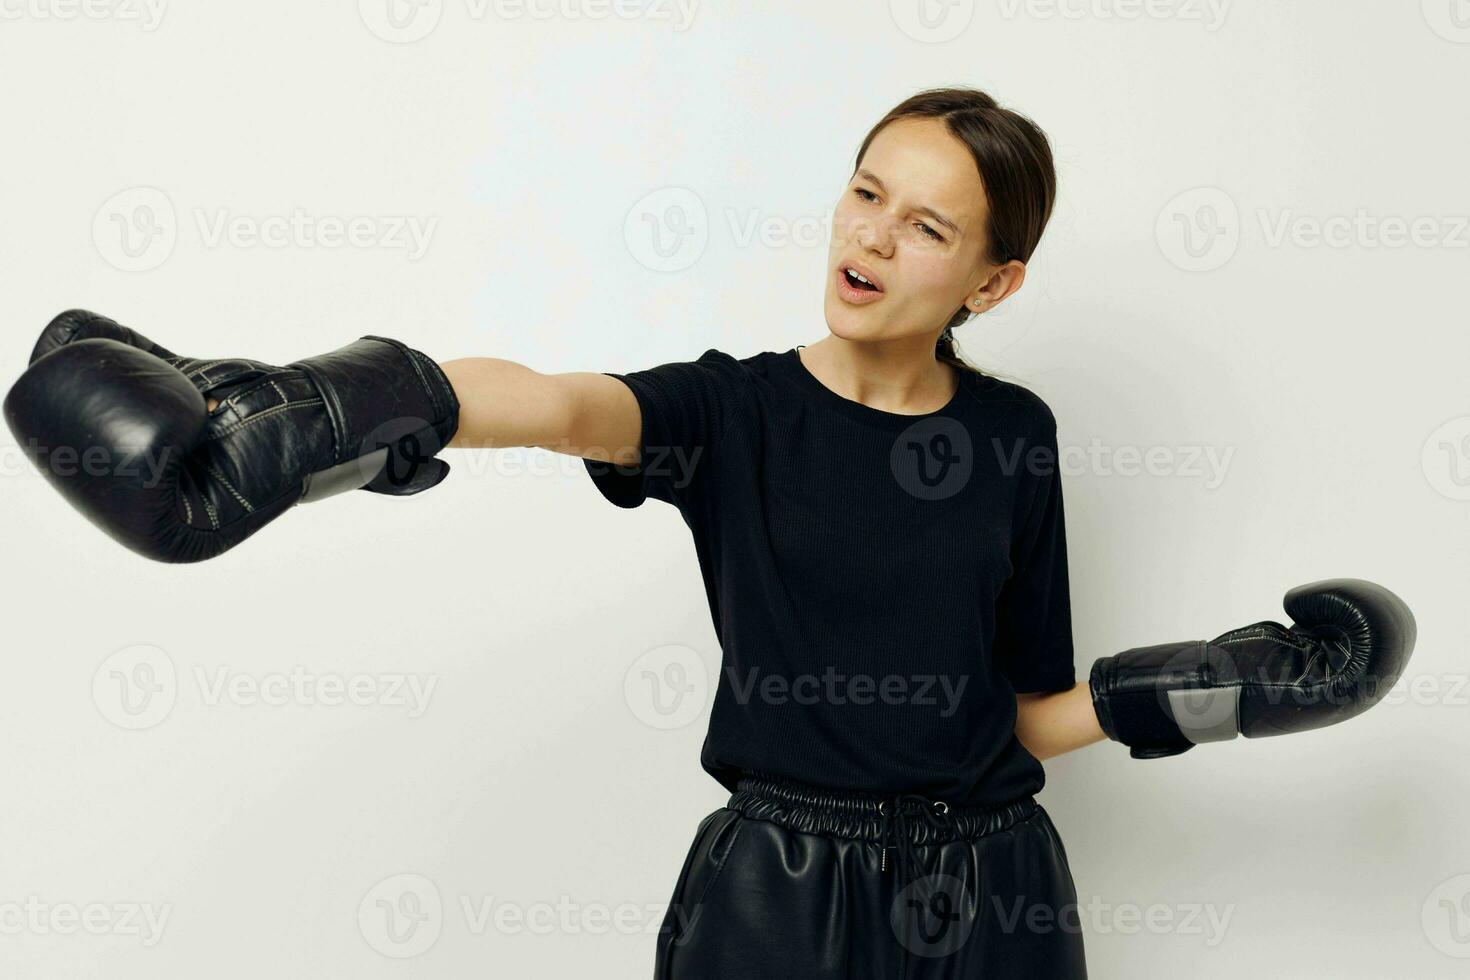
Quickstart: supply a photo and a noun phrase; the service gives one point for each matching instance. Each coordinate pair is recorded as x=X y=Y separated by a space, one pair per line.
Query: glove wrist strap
x=351 y=475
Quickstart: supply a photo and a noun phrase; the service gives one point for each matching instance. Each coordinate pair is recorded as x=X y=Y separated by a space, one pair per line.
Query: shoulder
x=718 y=364
x=738 y=373
x=1027 y=409
x=745 y=366
x=713 y=370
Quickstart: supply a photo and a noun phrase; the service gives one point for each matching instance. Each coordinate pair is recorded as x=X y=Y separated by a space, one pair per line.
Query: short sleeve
x=1034 y=611
x=685 y=407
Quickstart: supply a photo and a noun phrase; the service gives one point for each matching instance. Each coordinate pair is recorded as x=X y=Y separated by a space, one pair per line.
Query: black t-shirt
x=882 y=585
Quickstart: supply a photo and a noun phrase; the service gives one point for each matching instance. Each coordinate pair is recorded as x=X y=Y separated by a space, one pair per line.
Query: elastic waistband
x=867 y=816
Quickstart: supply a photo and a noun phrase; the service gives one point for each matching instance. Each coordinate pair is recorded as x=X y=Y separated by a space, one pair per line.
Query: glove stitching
x=209 y=509
x=250 y=390
x=231 y=430
x=230 y=487
x=1286 y=639
x=199 y=367
x=1306 y=670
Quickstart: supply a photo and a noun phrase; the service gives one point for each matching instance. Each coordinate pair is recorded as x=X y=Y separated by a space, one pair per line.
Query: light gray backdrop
x=1248 y=315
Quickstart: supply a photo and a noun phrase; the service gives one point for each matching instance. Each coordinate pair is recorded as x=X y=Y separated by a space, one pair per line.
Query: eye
x=867 y=195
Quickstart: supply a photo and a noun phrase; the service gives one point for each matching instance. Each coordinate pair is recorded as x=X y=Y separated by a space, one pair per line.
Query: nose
x=874 y=233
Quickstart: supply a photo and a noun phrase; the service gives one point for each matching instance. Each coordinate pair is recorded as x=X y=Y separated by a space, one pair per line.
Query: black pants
x=792 y=882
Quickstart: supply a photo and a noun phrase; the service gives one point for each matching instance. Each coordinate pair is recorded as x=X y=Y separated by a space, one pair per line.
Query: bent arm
x=580 y=413
x=1050 y=723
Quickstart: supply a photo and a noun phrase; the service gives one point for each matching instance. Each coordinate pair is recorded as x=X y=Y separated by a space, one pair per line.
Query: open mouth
x=856 y=281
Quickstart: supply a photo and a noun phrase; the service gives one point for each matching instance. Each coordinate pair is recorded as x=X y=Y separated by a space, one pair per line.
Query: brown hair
x=1015 y=164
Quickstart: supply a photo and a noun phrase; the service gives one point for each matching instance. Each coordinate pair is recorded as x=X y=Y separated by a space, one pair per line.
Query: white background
x=1334 y=376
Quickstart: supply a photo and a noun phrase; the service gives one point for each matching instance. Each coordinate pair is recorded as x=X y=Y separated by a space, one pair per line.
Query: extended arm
x=581 y=413
x=182 y=458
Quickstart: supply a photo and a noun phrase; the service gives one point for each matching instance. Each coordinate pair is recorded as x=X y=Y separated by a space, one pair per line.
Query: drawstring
x=895 y=823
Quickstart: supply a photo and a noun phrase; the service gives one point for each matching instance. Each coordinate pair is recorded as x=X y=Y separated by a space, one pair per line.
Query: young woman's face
x=913 y=218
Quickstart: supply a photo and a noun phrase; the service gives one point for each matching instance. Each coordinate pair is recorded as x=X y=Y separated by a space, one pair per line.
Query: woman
x=879 y=527
x=881 y=535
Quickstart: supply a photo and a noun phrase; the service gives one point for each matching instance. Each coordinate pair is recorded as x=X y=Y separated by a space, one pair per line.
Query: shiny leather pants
x=791 y=882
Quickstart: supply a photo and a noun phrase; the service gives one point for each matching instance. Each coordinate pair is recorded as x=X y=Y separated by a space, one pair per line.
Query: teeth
x=857 y=275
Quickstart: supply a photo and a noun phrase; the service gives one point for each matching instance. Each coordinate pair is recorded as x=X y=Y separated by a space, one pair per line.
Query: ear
x=1002 y=282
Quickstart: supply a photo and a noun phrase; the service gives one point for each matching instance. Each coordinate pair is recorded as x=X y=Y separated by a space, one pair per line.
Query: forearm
x=580 y=413
x=1051 y=723
x=501 y=404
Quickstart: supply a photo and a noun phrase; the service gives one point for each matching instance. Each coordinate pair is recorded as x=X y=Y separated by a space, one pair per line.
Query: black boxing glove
x=1347 y=645
x=119 y=425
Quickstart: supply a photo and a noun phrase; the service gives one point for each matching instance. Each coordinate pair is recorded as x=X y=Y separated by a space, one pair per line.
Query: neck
x=892 y=376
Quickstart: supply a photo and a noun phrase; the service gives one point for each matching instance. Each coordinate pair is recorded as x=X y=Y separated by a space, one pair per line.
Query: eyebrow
x=941 y=219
